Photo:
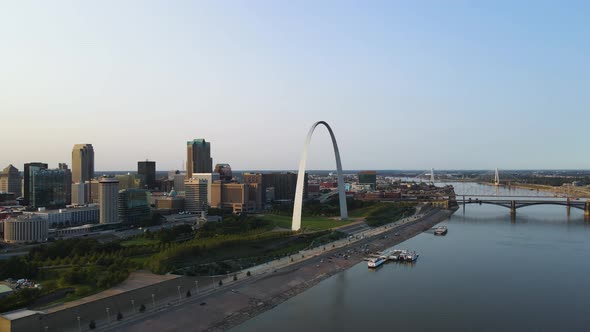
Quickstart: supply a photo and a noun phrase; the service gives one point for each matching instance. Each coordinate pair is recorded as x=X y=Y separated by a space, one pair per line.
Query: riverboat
x=375 y=262
x=409 y=256
x=440 y=230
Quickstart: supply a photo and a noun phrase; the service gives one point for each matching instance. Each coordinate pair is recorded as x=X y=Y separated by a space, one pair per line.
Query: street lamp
x=79 y=327
x=133 y=305
x=178 y=287
x=46 y=328
x=196 y=287
x=108 y=315
x=154 y=301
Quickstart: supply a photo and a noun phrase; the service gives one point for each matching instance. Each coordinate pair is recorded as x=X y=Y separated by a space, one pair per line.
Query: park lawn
x=140 y=260
x=308 y=223
x=378 y=207
x=232 y=258
x=139 y=241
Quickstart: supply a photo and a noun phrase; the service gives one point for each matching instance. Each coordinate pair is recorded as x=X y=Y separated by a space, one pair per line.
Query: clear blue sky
x=405 y=85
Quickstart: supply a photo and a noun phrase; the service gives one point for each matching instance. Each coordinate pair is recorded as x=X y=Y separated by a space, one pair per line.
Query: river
x=486 y=274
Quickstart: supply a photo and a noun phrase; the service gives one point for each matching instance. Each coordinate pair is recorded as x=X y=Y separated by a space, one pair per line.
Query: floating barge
x=398 y=255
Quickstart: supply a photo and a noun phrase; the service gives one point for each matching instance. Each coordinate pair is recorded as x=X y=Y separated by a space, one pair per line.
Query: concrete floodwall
x=65 y=317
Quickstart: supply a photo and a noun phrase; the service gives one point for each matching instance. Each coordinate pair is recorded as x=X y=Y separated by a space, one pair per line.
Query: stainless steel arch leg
x=296 y=224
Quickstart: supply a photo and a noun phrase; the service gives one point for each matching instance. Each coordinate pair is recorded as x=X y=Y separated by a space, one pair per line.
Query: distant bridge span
x=517 y=204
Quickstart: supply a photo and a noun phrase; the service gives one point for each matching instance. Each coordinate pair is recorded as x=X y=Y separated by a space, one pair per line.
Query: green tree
x=142 y=308
x=92 y=325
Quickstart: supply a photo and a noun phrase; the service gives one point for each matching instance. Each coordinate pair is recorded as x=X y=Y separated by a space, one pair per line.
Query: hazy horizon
x=404 y=85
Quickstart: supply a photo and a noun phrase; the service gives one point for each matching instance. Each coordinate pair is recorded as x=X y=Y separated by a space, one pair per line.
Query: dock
x=398 y=255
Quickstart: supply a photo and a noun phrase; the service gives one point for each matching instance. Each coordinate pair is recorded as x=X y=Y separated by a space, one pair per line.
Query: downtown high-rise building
x=224 y=171
x=68 y=181
x=30 y=169
x=133 y=206
x=48 y=188
x=10 y=181
x=283 y=184
x=82 y=163
x=196 y=195
x=147 y=173
x=108 y=195
x=198 y=157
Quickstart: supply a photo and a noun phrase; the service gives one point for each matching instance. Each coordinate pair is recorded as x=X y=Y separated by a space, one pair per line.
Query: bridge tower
x=497 y=178
x=432 y=175
x=512 y=208
x=587 y=210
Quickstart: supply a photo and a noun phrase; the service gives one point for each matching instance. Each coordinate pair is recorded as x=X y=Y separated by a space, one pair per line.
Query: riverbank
x=251 y=296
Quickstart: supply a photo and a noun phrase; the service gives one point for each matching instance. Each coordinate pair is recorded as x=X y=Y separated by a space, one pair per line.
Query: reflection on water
x=486 y=274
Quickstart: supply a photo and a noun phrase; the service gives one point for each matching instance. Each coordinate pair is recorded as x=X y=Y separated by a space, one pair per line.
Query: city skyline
x=405 y=86
x=272 y=165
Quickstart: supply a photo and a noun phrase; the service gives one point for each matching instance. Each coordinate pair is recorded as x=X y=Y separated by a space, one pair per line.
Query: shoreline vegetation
x=74 y=268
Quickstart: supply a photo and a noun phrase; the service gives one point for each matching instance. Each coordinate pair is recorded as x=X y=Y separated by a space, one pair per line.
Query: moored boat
x=375 y=262
x=440 y=230
x=410 y=256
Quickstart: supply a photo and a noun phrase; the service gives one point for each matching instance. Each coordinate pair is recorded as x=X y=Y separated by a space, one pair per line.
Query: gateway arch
x=296 y=225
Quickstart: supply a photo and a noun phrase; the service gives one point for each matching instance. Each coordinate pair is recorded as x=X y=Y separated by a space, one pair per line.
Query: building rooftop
x=69 y=209
x=25 y=217
x=8 y=169
x=196 y=141
x=108 y=180
x=18 y=314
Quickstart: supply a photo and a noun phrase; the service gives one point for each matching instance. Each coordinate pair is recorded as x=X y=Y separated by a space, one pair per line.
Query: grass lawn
x=378 y=207
x=140 y=260
x=236 y=257
x=139 y=242
x=309 y=223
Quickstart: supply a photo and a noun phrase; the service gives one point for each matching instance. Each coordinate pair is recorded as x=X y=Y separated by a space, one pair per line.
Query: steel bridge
x=514 y=204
